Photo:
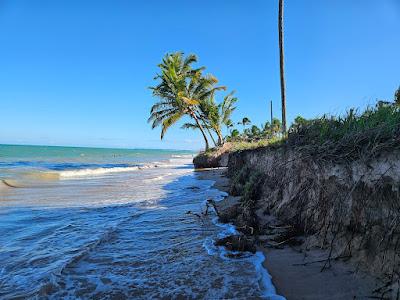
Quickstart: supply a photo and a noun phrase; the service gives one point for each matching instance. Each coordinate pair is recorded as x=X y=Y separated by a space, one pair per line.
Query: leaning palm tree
x=176 y=71
x=181 y=90
x=282 y=65
x=216 y=115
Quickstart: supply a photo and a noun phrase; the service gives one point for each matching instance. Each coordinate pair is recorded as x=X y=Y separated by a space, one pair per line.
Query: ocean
x=90 y=223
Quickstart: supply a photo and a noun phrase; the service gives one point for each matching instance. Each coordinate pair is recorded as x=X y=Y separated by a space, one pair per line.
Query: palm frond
x=190 y=101
x=190 y=126
x=168 y=122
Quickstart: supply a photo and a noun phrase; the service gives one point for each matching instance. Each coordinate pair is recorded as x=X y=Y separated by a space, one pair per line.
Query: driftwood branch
x=214 y=206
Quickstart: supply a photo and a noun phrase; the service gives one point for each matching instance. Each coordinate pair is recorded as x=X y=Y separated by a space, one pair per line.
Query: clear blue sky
x=77 y=72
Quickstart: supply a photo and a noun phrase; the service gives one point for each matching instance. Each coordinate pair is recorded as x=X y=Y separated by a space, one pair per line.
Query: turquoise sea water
x=86 y=223
x=56 y=153
x=14 y=158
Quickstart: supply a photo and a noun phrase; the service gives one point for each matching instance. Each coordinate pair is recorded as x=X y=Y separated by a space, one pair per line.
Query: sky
x=77 y=73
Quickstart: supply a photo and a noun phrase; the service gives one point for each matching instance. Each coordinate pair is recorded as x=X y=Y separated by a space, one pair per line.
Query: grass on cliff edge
x=351 y=136
x=240 y=145
x=383 y=119
x=246 y=145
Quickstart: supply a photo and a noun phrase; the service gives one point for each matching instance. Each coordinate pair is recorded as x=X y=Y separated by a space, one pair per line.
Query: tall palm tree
x=282 y=65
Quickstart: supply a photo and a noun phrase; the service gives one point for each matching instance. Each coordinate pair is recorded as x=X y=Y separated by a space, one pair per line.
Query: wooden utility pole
x=282 y=65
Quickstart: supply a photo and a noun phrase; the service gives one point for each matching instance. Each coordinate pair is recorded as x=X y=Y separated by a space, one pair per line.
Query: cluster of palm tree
x=185 y=91
x=267 y=130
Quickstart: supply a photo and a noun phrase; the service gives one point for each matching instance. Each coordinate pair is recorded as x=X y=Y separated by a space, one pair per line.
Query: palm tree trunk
x=212 y=137
x=282 y=66
x=209 y=132
x=193 y=115
x=220 y=137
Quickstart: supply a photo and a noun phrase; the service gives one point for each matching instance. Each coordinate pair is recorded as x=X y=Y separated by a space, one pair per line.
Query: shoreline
x=296 y=271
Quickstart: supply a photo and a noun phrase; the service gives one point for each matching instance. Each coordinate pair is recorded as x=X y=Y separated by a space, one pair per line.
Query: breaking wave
x=95 y=172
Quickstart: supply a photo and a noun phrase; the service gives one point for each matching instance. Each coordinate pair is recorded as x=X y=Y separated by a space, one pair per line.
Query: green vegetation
x=252 y=189
x=246 y=145
x=351 y=136
x=384 y=118
x=254 y=134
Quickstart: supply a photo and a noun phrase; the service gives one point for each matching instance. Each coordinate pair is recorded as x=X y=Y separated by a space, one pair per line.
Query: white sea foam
x=182 y=156
x=158 y=178
x=264 y=278
x=102 y=171
x=95 y=172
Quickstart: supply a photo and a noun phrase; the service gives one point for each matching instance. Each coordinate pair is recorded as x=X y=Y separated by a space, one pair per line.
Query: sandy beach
x=296 y=271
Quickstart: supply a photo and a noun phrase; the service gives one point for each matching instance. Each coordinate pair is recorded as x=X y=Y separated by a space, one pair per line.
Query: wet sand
x=296 y=273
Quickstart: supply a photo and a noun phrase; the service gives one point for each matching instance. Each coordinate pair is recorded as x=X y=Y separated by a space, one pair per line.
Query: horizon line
x=91 y=147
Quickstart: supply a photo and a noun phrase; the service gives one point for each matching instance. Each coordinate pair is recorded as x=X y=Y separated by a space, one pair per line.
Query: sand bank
x=295 y=270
